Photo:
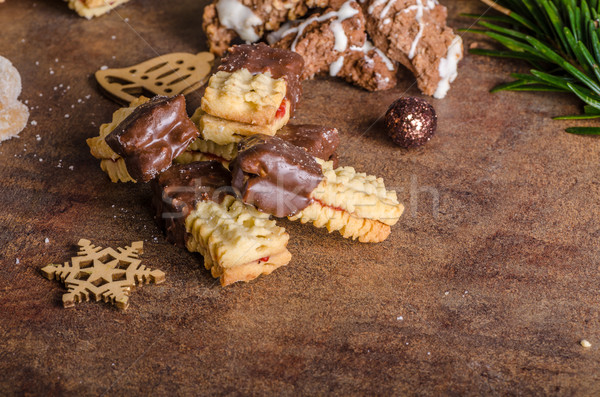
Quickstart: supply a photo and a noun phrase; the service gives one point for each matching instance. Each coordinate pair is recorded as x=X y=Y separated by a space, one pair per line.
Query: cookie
x=335 y=42
x=414 y=33
x=349 y=226
x=246 y=98
x=204 y=150
x=110 y=162
x=225 y=20
x=364 y=196
x=283 y=180
x=197 y=208
x=260 y=58
x=238 y=242
x=152 y=136
x=355 y=204
x=94 y=8
x=224 y=132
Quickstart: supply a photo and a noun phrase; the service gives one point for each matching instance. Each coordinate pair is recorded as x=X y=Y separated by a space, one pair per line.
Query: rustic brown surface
x=495 y=290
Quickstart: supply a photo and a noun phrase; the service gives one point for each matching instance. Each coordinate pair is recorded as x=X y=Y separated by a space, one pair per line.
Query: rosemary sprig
x=560 y=39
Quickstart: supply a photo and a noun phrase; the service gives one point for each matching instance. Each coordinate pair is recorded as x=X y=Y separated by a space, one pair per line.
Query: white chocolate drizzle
x=336 y=66
x=236 y=16
x=341 y=41
x=368 y=46
x=420 y=8
x=448 y=67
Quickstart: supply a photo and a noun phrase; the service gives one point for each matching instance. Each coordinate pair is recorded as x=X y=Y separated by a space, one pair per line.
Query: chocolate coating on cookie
x=260 y=58
x=180 y=188
x=317 y=140
x=152 y=136
x=274 y=175
x=410 y=122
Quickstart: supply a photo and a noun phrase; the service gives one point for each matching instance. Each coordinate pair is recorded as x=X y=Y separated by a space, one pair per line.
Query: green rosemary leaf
x=585 y=96
x=561 y=39
x=585 y=17
x=551 y=80
x=587 y=109
x=577 y=117
x=554 y=57
x=538 y=87
x=584 y=130
x=595 y=43
x=589 y=59
x=514 y=45
x=577 y=51
x=555 y=20
x=507 y=86
x=536 y=14
x=526 y=23
x=500 y=29
x=506 y=54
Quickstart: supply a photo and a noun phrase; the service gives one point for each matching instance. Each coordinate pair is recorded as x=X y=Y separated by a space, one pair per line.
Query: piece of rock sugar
x=10 y=83
x=12 y=120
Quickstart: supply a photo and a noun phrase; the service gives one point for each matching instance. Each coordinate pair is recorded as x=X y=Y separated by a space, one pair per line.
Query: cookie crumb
x=585 y=343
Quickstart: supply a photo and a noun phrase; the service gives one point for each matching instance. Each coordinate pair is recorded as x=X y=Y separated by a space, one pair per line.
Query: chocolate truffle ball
x=410 y=122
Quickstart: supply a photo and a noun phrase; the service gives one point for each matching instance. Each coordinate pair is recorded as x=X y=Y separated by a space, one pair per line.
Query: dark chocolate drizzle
x=317 y=140
x=274 y=175
x=180 y=188
x=260 y=58
x=152 y=136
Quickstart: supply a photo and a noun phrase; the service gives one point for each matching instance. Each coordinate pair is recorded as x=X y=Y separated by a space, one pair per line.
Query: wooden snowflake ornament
x=103 y=273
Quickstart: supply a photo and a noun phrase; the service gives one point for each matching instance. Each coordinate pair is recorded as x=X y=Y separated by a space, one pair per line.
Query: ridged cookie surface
x=203 y=150
x=362 y=195
x=237 y=241
x=244 y=97
x=355 y=204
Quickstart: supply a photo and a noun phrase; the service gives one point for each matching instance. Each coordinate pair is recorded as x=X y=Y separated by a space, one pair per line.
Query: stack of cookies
x=223 y=209
x=255 y=91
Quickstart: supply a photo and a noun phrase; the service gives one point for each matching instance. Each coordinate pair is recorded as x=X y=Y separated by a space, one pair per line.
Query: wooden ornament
x=170 y=74
x=103 y=274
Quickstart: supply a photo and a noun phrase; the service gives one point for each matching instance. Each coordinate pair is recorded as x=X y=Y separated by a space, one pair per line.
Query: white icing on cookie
x=420 y=7
x=336 y=66
x=236 y=16
x=448 y=67
x=341 y=41
x=368 y=46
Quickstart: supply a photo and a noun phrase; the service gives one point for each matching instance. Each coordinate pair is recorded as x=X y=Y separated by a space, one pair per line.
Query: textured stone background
x=489 y=292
